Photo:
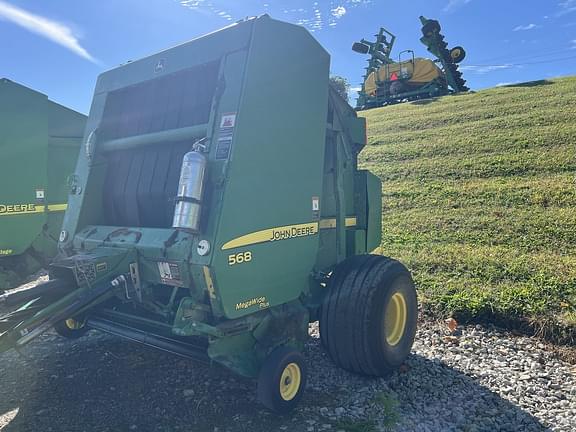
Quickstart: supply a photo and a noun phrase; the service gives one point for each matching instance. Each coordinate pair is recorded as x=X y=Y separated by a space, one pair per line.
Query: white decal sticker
x=315 y=204
x=159 y=66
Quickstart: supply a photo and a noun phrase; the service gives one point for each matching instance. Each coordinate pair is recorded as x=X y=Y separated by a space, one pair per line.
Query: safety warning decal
x=170 y=274
x=228 y=121
x=223 y=148
x=224 y=143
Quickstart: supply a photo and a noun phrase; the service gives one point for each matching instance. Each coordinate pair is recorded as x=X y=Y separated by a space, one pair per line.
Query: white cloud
x=315 y=16
x=454 y=4
x=338 y=12
x=526 y=27
x=208 y=8
x=566 y=7
x=354 y=3
x=485 y=69
x=44 y=27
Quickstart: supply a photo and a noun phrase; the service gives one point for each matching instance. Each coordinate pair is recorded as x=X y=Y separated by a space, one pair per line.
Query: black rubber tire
x=432 y=26
x=352 y=315
x=397 y=88
x=270 y=376
x=360 y=48
x=457 y=54
x=70 y=333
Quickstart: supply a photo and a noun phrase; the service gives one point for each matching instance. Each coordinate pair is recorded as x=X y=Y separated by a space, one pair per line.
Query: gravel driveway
x=477 y=380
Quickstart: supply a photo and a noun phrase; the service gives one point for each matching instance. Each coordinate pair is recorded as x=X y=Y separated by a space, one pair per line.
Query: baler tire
x=355 y=316
x=282 y=380
x=68 y=331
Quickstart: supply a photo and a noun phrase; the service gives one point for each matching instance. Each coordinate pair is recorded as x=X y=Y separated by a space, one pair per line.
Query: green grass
x=389 y=409
x=384 y=417
x=479 y=195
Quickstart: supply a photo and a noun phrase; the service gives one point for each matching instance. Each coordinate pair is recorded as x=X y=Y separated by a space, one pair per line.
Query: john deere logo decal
x=159 y=66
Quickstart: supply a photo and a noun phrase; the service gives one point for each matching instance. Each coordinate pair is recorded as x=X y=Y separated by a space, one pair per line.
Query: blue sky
x=60 y=46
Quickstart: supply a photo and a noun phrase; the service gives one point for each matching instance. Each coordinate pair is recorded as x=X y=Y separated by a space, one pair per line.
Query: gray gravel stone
x=480 y=379
x=483 y=380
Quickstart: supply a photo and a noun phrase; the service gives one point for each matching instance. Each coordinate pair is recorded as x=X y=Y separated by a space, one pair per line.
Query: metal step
x=178 y=346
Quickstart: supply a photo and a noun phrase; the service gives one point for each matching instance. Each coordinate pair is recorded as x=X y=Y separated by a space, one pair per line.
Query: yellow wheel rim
x=395 y=318
x=72 y=324
x=290 y=381
x=456 y=53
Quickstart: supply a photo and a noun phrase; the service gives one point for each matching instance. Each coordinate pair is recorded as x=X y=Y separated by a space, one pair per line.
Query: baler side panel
x=346 y=136
x=24 y=149
x=275 y=172
x=39 y=142
x=374 y=211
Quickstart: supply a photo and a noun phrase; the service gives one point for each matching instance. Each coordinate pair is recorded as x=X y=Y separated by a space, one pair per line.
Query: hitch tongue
x=22 y=331
x=53 y=288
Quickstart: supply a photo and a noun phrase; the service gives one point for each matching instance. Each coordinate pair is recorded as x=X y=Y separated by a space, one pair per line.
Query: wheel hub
x=72 y=324
x=290 y=381
x=396 y=315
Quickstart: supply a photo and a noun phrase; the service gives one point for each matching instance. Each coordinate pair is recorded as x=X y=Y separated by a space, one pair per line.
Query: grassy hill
x=479 y=194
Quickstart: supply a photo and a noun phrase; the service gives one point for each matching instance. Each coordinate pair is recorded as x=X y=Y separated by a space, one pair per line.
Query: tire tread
x=345 y=326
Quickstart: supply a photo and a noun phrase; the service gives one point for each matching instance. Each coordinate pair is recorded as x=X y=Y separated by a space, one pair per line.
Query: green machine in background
x=205 y=221
x=39 y=143
x=388 y=81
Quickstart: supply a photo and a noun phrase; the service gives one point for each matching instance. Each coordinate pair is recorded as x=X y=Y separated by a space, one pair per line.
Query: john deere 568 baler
x=39 y=143
x=217 y=209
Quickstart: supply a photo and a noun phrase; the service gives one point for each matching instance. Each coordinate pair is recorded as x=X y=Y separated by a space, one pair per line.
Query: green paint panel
x=374 y=210
x=24 y=149
x=39 y=142
x=276 y=167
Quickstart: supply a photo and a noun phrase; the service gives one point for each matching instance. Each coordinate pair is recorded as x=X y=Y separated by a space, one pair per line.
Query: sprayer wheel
x=369 y=315
x=397 y=88
x=282 y=380
x=432 y=26
x=71 y=328
x=457 y=54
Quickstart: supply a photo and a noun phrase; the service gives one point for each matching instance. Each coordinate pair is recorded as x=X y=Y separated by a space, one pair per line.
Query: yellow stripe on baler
x=25 y=209
x=285 y=232
x=57 y=207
